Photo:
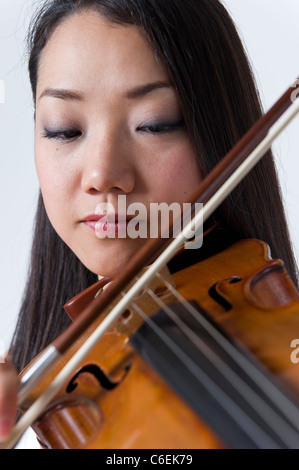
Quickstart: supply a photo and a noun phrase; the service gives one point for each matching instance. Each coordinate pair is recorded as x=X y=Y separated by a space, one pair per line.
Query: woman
x=140 y=99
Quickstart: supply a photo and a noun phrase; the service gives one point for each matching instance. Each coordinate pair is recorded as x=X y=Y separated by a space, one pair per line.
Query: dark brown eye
x=161 y=127
x=64 y=135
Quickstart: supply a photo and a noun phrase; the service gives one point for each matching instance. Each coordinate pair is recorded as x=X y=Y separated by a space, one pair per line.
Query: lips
x=108 y=225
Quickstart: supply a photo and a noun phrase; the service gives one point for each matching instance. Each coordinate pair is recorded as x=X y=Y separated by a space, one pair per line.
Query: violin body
x=118 y=400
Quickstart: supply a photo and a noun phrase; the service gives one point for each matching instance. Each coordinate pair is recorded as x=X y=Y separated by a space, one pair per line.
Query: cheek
x=56 y=187
x=47 y=180
x=50 y=170
x=179 y=175
x=53 y=169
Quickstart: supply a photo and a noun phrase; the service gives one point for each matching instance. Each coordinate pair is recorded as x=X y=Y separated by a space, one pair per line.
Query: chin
x=106 y=267
x=106 y=258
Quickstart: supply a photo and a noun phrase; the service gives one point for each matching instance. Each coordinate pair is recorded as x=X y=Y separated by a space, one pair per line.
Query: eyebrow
x=145 y=89
x=137 y=92
x=61 y=94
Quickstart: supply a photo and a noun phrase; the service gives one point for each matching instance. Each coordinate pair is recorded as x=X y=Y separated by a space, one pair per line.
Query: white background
x=270 y=32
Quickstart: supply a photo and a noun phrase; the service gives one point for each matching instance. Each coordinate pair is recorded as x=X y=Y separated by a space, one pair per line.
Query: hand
x=8 y=398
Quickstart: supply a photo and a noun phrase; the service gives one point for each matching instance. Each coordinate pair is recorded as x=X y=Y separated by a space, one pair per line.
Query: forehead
x=87 y=50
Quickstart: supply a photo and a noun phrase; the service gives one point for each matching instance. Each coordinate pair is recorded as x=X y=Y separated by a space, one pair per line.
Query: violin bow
x=211 y=192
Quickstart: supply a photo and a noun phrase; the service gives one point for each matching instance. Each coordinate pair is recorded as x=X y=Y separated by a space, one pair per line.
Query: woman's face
x=108 y=124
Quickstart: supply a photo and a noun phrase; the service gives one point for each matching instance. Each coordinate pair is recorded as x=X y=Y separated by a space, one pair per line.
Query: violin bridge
x=145 y=304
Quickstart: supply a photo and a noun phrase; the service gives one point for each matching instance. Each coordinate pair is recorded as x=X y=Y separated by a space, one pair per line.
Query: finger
x=8 y=398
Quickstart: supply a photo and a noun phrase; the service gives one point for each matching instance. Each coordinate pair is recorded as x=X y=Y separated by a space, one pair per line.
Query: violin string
x=271 y=417
x=280 y=400
x=249 y=426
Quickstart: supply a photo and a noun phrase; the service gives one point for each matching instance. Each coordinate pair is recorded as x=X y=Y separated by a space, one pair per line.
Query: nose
x=107 y=166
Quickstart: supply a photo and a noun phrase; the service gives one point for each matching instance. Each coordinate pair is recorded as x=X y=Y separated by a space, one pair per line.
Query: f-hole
x=219 y=298
x=101 y=377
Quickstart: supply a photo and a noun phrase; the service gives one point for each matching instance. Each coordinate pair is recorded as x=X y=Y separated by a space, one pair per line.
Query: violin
x=122 y=395
x=195 y=358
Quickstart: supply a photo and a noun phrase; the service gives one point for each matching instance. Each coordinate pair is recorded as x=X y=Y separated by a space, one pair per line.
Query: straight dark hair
x=205 y=59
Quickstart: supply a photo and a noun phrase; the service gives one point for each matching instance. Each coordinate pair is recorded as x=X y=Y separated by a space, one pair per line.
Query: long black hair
x=205 y=59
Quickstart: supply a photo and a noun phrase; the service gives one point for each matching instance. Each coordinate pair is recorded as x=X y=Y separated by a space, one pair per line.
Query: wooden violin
x=140 y=385
x=196 y=358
